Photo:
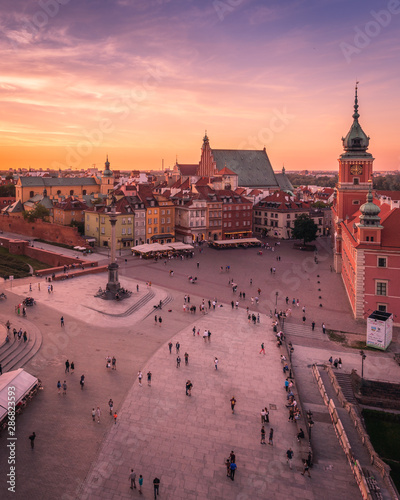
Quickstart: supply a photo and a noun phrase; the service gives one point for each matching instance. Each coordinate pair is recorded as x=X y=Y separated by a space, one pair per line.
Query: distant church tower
x=355 y=177
x=107 y=179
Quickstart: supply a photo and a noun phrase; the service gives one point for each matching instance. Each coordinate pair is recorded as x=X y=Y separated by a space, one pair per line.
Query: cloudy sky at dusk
x=142 y=80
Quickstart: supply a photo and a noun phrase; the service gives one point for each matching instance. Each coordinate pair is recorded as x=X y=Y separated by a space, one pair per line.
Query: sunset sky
x=142 y=80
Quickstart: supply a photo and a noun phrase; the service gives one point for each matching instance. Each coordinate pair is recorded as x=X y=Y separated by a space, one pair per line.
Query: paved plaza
x=160 y=431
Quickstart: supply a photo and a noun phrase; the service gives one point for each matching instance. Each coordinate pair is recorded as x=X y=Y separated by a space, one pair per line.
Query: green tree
x=304 y=229
x=7 y=190
x=79 y=225
x=39 y=212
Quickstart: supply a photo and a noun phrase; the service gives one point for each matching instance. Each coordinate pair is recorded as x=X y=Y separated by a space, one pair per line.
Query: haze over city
x=142 y=81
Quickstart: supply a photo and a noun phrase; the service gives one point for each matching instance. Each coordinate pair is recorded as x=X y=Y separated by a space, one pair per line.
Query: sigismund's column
x=113 y=284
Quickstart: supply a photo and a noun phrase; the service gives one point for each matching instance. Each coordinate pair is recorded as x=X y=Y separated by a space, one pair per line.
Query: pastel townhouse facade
x=366 y=233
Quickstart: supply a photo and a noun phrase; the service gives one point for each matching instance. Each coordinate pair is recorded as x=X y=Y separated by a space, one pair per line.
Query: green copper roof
x=356 y=141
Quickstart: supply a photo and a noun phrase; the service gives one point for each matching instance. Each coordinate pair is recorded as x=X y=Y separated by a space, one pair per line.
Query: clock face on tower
x=356 y=169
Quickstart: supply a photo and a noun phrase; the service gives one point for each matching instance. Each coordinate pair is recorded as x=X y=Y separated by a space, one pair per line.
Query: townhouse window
x=123 y=230
x=155 y=220
x=382 y=307
x=87 y=217
x=162 y=212
x=162 y=230
x=382 y=262
x=150 y=221
x=224 y=224
x=149 y=230
x=168 y=220
x=149 y=212
x=288 y=216
x=155 y=211
x=129 y=220
x=102 y=220
x=87 y=227
x=129 y=230
x=168 y=229
x=168 y=212
x=123 y=220
x=162 y=221
x=102 y=230
x=381 y=288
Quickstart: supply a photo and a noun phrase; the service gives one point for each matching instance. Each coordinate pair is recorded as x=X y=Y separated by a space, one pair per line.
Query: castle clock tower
x=355 y=169
x=355 y=176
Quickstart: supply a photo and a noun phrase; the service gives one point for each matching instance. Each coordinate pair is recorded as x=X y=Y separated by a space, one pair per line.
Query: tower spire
x=356 y=116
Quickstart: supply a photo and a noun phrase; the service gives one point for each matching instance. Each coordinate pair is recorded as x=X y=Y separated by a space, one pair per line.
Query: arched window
x=71 y=192
x=84 y=192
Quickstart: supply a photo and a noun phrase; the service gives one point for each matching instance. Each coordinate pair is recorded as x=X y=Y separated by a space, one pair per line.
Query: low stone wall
x=342 y=436
x=382 y=467
x=75 y=273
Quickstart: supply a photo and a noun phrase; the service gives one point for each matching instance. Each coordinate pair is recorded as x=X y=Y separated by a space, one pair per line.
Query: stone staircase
x=344 y=380
x=16 y=353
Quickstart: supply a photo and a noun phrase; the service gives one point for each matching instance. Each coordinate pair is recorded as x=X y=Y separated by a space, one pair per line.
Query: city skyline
x=142 y=82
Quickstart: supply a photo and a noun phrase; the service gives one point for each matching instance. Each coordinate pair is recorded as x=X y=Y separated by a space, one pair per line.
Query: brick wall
x=53 y=233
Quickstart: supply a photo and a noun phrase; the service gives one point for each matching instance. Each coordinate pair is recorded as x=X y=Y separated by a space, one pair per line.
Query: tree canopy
x=7 y=190
x=304 y=229
x=39 y=212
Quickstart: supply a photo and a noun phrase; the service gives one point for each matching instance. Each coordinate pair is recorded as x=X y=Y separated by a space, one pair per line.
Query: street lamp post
x=363 y=356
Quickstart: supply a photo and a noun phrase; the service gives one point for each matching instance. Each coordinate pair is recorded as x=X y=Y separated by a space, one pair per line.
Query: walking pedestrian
x=289 y=457
x=160 y=320
x=132 y=477
x=323 y=328
x=98 y=414
x=233 y=468
x=82 y=382
x=189 y=386
x=62 y=320
x=233 y=403
x=177 y=346
x=59 y=387
x=32 y=438
x=271 y=437
x=140 y=483
x=67 y=365
x=25 y=336
x=306 y=468
x=178 y=361
x=216 y=363
x=228 y=467
x=115 y=417
x=186 y=358
x=149 y=378
x=170 y=347
x=155 y=319
x=72 y=367
x=64 y=386
x=114 y=363
x=262 y=349
x=156 y=484
x=140 y=375
x=111 y=406
x=313 y=325
x=263 y=435
x=93 y=415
